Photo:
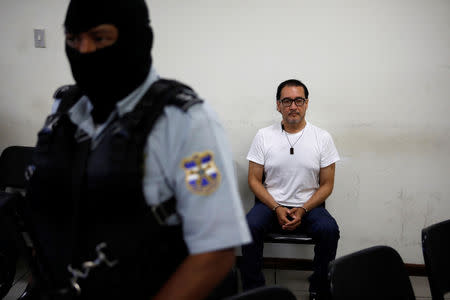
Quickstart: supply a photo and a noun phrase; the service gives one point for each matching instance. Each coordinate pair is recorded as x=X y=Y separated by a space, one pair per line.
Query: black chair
x=278 y=236
x=436 y=253
x=13 y=161
x=265 y=293
x=373 y=273
x=287 y=237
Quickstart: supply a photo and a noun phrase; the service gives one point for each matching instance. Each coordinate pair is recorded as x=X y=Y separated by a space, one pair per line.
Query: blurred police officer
x=131 y=192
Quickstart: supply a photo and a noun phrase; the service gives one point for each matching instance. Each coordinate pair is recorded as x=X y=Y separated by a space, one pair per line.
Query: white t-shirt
x=292 y=179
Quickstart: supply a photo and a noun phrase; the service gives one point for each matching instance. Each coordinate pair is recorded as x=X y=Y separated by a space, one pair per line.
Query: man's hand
x=282 y=215
x=289 y=219
x=293 y=217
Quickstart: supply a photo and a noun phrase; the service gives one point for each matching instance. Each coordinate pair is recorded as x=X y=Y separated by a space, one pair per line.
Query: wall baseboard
x=416 y=270
x=306 y=265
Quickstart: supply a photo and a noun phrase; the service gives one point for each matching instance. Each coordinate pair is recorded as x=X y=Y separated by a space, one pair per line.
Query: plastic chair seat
x=373 y=273
x=288 y=238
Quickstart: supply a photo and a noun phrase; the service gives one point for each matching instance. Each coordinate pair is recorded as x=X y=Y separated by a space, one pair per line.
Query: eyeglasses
x=288 y=101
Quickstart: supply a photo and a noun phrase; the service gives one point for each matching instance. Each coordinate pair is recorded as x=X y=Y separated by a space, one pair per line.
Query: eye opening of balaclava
x=109 y=74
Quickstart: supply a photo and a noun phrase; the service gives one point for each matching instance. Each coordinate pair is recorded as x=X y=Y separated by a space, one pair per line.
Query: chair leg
x=275 y=275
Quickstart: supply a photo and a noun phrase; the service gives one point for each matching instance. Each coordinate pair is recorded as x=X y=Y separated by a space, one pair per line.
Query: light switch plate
x=39 y=38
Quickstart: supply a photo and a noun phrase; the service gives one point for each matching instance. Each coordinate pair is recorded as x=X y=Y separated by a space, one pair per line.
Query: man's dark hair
x=291 y=82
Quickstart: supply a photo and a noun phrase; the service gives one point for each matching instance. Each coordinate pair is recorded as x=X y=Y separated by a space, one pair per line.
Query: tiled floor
x=296 y=281
x=20 y=282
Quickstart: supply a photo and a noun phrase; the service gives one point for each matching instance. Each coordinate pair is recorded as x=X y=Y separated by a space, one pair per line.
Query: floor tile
x=301 y=296
x=420 y=286
x=16 y=291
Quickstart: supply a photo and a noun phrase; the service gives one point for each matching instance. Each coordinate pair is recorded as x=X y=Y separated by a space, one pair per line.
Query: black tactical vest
x=85 y=202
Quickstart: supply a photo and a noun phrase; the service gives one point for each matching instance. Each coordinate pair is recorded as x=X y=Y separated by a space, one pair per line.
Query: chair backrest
x=265 y=293
x=436 y=254
x=13 y=162
x=373 y=273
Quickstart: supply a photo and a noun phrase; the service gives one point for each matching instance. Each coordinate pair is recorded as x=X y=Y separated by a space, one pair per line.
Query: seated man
x=298 y=162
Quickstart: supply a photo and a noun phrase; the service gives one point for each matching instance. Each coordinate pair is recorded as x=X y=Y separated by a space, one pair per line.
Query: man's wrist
x=274 y=209
x=304 y=208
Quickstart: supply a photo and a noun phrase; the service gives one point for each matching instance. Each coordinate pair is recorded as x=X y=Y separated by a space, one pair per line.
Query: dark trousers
x=318 y=223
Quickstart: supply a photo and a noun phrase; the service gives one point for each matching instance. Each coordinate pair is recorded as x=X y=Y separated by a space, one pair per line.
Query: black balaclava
x=111 y=73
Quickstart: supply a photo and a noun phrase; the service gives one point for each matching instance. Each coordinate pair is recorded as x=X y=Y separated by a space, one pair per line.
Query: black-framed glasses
x=288 y=101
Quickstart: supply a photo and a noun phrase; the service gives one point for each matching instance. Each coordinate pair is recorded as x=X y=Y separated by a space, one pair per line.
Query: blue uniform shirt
x=187 y=156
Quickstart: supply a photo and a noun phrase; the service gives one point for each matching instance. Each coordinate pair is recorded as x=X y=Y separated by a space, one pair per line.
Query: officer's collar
x=80 y=112
x=128 y=103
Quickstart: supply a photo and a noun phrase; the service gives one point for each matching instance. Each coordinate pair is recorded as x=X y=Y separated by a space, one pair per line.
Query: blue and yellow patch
x=202 y=176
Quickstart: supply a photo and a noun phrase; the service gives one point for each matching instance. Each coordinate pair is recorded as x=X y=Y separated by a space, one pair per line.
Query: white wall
x=28 y=75
x=379 y=80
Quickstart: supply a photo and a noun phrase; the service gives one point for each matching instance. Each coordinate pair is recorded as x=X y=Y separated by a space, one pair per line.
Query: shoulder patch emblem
x=202 y=176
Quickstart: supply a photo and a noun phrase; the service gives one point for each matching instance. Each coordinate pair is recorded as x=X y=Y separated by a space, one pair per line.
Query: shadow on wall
x=247 y=196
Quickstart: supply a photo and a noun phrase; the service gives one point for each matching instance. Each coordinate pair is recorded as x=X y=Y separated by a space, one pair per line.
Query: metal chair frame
x=286 y=237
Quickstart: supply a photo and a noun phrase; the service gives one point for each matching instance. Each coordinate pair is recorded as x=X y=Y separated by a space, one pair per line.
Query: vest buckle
x=160 y=213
